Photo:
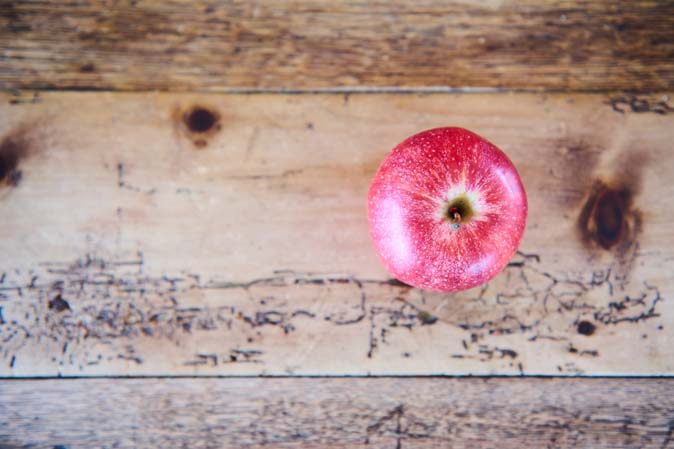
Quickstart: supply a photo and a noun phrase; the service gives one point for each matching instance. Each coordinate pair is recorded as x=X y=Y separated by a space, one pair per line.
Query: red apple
x=447 y=210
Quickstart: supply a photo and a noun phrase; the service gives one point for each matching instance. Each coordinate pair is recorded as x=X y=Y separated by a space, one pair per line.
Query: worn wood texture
x=180 y=45
x=338 y=413
x=227 y=234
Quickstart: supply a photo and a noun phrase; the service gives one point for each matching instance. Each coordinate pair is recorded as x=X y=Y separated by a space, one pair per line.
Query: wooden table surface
x=184 y=253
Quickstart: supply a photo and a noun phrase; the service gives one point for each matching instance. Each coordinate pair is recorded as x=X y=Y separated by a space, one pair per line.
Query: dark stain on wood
x=505 y=352
x=58 y=304
x=13 y=149
x=426 y=318
x=607 y=217
x=608 y=209
x=87 y=68
x=16 y=21
x=632 y=103
x=586 y=328
x=397 y=283
x=198 y=123
x=201 y=120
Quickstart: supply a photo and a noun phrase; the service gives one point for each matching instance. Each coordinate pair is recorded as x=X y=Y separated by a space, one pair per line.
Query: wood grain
x=338 y=413
x=306 y=45
x=226 y=234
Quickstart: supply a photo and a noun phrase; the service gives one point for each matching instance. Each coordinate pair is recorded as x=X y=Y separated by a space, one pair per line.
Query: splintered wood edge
x=338 y=413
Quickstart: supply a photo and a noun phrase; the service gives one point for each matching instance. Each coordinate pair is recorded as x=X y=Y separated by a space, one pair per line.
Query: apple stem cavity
x=456 y=218
x=459 y=211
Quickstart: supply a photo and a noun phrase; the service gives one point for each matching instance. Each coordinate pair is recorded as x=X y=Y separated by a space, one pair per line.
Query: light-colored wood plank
x=306 y=44
x=127 y=248
x=338 y=413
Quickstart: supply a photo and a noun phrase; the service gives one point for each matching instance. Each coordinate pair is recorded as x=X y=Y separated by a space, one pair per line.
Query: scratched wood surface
x=338 y=413
x=165 y=234
x=306 y=44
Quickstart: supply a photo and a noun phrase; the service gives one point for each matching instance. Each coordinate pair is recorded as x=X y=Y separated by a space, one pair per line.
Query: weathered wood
x=132 y=244
x=338 y=413
x=176 y=45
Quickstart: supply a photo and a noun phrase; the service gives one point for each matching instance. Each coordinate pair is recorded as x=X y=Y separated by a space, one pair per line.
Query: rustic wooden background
x=201 y=214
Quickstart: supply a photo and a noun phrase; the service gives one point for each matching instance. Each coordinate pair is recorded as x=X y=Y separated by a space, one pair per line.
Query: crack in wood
x=122 y=183
x=400 y=423
x=632 y=103
x=108 y=303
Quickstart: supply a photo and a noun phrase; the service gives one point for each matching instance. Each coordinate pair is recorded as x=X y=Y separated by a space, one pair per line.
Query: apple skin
x=412 y=210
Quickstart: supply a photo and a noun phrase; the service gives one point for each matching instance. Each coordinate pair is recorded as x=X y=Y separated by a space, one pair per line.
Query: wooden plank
x=338 y=413
x=206 y=46
x=132 y=245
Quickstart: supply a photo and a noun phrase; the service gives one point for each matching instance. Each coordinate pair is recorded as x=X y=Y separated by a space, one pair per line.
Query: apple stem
x=456 y=218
